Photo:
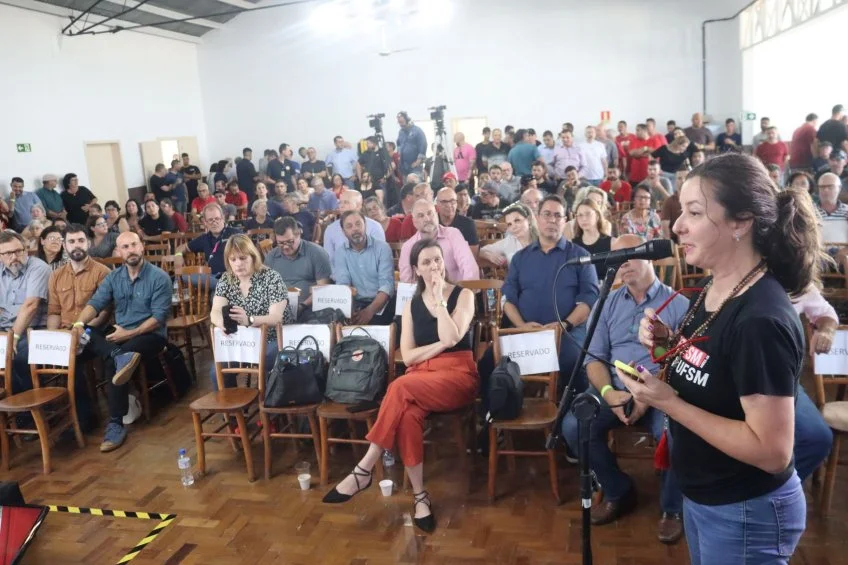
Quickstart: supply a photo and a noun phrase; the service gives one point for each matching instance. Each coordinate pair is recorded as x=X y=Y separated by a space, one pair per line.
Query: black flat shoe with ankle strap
x=427 y=523
x=335 y=497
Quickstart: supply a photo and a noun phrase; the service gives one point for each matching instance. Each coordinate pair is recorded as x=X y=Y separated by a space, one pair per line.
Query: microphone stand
x=585 y=407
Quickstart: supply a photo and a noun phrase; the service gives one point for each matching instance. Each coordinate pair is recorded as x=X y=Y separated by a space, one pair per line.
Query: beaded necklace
x=675 y=338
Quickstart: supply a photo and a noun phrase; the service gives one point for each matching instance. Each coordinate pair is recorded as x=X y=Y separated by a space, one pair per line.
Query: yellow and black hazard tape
x=166 y=520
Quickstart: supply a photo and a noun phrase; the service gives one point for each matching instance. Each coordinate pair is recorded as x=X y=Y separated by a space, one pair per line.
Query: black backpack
x=298 y=377
x=358 y=370
x=323 y=317
x=506 y=391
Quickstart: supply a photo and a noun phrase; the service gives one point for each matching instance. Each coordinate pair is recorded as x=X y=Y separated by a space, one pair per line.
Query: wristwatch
x=443 y=304
x=568 y=326
x=250 y=320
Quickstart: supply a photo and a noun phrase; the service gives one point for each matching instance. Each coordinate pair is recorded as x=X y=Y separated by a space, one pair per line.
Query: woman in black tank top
x=441 y=376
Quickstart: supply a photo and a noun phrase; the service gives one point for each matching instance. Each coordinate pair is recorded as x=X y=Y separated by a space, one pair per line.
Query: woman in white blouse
x=521 y=232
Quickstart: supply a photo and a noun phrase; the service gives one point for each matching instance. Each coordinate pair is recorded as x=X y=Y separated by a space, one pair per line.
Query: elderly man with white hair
x=833 y=214
x=334 y=237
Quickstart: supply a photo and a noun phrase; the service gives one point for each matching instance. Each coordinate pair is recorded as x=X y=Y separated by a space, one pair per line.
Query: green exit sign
x=24 y=147
x=750 y=116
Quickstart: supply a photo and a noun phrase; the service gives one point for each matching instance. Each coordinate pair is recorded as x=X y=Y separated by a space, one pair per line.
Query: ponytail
x=792 y=247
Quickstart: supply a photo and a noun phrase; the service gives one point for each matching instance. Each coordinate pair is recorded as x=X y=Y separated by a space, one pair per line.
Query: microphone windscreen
x=660 y=248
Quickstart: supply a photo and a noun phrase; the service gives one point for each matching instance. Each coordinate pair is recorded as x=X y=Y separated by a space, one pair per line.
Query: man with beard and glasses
x=71 y=286
x=23 y=295
x=366 y=264
x=139 y=293
x=460 y=264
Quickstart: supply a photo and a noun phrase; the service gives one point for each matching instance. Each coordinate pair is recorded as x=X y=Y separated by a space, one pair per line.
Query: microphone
x=654 y=249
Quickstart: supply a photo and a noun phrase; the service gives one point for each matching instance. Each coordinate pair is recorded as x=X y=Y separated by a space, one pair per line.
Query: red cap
x=448 y=175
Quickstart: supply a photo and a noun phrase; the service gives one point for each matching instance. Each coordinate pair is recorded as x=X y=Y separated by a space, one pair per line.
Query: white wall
x=798 y=72
x=269 y=77
x=58 y=93
x=724 y=72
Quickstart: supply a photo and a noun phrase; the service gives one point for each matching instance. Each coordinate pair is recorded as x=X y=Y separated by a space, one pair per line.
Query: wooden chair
x=668 y=271
x=836 y=275
x=490 y=270
x=266 y=245
x=330 y=410
x=193 y=300
x=154 y=249
x=487 y=229
x=486 y=314
x=291 y=413
x=537 y=414
x=294 y=298
x=59 y=399
x=689 y=275
x=165 y=262
x=175 y=240
x=261 y=234
x=110 y=262
x=144 y=386
x=835 y=414
x=396 y=246
x=232 y=403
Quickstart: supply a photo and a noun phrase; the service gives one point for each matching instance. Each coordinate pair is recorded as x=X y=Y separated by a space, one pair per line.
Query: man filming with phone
x=616 y=338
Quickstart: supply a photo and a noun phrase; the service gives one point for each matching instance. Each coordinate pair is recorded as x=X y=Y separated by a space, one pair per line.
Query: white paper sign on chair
x=294 y=333
x=835 y=361
x=535 y=352
x=332 y=296
x=241 y=347
x=47 y=347
x=378 y=333
x=3 y=344
x=405 y=292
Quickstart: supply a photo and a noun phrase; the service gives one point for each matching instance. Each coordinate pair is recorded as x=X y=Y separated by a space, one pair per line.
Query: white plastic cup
x=305 y=481
x=386 y=486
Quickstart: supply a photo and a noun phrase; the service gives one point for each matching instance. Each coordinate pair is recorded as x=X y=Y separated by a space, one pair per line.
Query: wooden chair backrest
x=837 y=273
x=194 y=294
x=549 y=380
x=266 y=245
x=53 y=372
x=260 y=234
x=485 y=313
x=242 y=368
x=820 y=380
x=6 y=371
x=152 y=249
x=668 y=271
x=110 y=262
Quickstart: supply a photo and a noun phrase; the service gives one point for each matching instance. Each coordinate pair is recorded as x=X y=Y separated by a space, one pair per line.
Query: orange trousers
x=446 y=382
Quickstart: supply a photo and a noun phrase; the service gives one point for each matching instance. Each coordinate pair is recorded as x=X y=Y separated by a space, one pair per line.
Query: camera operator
x=375 y=160
x=411 y=145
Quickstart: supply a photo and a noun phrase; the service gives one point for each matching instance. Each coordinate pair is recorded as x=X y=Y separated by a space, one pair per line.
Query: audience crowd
x=360 y=215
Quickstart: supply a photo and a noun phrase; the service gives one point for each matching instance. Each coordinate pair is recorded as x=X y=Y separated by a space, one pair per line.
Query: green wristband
x=604 y=389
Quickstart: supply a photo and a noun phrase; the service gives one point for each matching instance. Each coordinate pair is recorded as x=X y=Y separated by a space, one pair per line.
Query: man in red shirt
x=623 y=139
x=203 y=198
x=620 y=190
x=772 y=151
x=237 y=198
x=654 y=135
x=639 y=153
x=803 y=144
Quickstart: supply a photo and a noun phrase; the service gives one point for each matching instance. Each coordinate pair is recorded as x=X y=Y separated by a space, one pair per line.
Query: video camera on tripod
x=437 y=114
x=442 y=161
x=375 y=121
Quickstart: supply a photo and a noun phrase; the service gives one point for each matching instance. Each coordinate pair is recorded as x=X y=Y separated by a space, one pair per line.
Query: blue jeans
x=813 y=437
x=615 y=482
x=595 y=182
x=230 y=379
x=763 y=530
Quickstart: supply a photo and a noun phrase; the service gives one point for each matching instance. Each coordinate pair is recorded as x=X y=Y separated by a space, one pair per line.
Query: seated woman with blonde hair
x=257 y=297
x=441 y=376
x=599 y=197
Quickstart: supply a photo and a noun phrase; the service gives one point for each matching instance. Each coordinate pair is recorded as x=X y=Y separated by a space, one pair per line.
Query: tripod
x=585 y=407
x=442 y=160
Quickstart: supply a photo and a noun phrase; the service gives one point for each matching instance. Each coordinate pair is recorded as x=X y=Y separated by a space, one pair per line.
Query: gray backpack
x=358 y=369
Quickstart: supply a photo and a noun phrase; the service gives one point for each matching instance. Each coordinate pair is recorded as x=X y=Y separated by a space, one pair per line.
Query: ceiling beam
x=239 y=4
x=44 y=8
x=164 y=12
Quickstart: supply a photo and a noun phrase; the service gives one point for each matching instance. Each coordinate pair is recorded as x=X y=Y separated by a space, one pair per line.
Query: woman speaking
x=732 y=367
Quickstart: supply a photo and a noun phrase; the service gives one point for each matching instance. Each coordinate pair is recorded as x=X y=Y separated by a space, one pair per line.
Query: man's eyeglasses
x=285 y=242
x=552 y=215
x=660 y=353
x=8 y=254
x=446 y=202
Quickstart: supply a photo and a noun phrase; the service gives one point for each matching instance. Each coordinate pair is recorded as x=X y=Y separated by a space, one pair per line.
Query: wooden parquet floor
x=223 y=519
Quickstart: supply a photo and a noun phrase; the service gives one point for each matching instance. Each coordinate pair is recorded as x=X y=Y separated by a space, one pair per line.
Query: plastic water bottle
x=83 y=340
x=490 y=297
x=176 y=290
x=184 y=463
x=388 y=460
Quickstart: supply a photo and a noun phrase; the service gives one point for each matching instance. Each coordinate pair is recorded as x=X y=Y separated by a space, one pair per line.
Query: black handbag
x=324 y=317
x=299 y=376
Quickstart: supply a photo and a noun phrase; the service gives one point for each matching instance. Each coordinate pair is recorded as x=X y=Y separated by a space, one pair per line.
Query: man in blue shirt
x=729 y=141
x=530 y=280
x=334 y=236
x=525 y=152
x=342 y=161
x=366 y=264
x=179 y=192
x=21 y=203
x=322 y=200
x=140 y=295
x=617 y=339
x=411 y=146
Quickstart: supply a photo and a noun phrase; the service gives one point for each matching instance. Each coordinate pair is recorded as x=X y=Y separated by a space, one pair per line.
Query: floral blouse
x=651 y=229
x=266 y=288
